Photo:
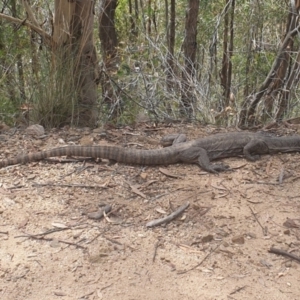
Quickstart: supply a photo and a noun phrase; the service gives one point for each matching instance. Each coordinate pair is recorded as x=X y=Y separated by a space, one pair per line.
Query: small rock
x=288 y=264
x=280 y=240
x=143 y=175
x=207 y=238
x=225 y=244
x=6 y=201
x=86 y=141
x=35 y=130
x=287 y=232
x=3 y=138
x=54 y=243
x=222 y=233
x=3 y=127
x=59 y=294
x=238 y=240
x=265 y=263
x=251 y=235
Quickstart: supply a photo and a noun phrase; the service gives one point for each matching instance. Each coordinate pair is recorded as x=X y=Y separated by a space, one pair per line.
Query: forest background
x=88 y=62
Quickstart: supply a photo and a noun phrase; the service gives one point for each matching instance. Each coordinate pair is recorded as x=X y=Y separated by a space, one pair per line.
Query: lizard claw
x=219 y=168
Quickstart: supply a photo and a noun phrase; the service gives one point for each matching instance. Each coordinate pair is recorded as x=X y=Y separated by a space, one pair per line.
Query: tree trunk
x=190 y=48
x=277 y=85
x=19 y=62
x=170 y=28
x=75 y=57
x=132 y=21
x=227 y=53
x=109 y=43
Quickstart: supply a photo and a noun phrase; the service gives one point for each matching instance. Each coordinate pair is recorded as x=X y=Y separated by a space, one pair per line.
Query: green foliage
x=53 y=96
x=140 y=80
x=13 y=47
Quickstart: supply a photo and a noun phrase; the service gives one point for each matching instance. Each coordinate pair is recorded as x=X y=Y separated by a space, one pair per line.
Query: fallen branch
x=168 y=218
x=284 y=253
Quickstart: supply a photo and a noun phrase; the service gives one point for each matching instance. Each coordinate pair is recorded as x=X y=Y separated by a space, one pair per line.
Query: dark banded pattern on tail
x=163 y=156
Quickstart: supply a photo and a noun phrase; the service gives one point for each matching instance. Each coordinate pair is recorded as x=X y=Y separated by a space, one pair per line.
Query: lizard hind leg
x=254 y=148
x=205 y=164
x=199 y=155
x=172 y=139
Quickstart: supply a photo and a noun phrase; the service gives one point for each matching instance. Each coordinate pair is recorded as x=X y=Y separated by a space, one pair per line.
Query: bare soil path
x=217 y=249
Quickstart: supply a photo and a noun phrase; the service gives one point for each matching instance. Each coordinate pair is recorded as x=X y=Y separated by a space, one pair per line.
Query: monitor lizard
x=200 y=151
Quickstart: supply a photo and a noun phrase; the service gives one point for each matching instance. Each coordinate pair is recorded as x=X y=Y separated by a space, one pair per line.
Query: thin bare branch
x=40 y=31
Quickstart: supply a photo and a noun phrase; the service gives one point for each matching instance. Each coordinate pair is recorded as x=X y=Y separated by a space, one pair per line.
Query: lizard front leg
x=200 y=156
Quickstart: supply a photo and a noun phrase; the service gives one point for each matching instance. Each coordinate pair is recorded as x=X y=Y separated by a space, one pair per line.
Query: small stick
x=264 y=229
x=198 y=265
x=281 y=175
x=155 y=250
x=238 y=289
x=43 y=233
x=113 y=241
x=168 y=218
x=60 y=241
x=70 y=185
x=284 y=253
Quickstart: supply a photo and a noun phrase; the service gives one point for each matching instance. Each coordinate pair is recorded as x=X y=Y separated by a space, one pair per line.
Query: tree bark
x=190 y=48
x=275 y=86
x=74 y=53
x=226 y=71
x=109 y=43
x=170 y=28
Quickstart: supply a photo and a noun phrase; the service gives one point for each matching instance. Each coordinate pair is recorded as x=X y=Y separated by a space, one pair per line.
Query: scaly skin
x=201 y=151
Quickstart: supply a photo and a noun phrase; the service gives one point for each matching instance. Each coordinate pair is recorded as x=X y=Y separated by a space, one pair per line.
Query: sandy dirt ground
x=218 y=248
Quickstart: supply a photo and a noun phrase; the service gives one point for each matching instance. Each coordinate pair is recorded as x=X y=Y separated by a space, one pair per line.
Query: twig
x=238 y=289
x=261 y=182
x=155 y=250
x=89 y=242
x=77 y=170
x=113 y=241
x=51 y=239
x=281 y=176
x=43 y=233
x=264 y=229
x=284 y=253
x=168 y=218
x=105 y=287
x=198 y=265
x=70 y=185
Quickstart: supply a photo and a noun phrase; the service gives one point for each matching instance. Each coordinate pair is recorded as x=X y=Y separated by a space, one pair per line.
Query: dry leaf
x=59 y=225
x=167 y=173
x=136 y=190
x=160 y=210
